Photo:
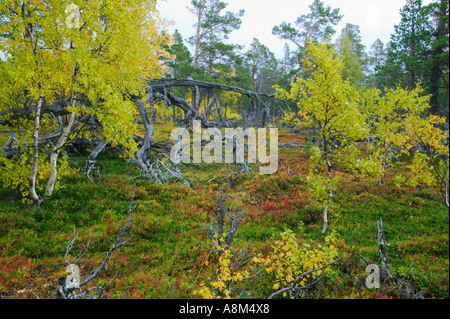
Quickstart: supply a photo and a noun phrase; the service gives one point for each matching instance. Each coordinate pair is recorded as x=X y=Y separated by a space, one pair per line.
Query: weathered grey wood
x=384 y=267
x=10 y=150
x=157 y=91
x=296 y=286
x=142 y=155
x=262 y=114
x=90 y=161
x=57 y=107
x=64 y=291
x=164 y=83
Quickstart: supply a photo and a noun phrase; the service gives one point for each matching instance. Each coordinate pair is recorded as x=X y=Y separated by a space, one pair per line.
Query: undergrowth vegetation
x=165 y=257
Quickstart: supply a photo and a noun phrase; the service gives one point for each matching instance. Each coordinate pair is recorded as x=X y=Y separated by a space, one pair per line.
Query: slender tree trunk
x=436 y=68
x=330 y=186
x=37 y=118
x=62 y=140
x=34 y=166
x=198 y=34
x=329 y=200
x=305 y=46
x=90 y=161
x=55 y=153
x=386 y=272
x=384 y=165
x=142 y=154
x=412 y=74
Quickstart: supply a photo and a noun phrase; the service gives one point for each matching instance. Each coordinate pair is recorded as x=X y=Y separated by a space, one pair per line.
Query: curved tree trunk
x=55 y=153
x=142 y=154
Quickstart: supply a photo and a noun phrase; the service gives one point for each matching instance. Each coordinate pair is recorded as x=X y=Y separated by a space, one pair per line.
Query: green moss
x=164 y=258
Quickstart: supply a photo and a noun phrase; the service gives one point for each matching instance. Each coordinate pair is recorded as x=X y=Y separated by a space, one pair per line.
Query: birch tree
x=85 y=55
x=328 y=105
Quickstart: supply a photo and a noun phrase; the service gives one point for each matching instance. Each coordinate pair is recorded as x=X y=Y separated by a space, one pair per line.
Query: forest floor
x=164 y=258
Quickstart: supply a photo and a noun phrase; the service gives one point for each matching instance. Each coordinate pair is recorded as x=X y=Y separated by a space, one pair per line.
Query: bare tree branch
x=295 y=286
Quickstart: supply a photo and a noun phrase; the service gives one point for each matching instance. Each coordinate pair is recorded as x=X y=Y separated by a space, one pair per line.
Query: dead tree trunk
x=90 y=161
x=385 y=271
x=70 y=287
x=160 y=86
x=142 y=156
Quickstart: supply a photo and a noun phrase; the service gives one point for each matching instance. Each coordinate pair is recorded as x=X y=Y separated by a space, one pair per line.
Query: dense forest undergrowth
x=98 y=105
x=164 y=258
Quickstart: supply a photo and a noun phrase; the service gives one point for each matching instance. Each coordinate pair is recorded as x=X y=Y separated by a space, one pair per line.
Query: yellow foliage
x=329 y=105
x=420 y=172
x=399 y=123
x=226 y=276
x=109 y=52
x=289 y=258
x=290 y=119
x=15 y=173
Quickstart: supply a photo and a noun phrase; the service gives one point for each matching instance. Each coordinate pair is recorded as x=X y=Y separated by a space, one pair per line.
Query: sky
x=376 y=18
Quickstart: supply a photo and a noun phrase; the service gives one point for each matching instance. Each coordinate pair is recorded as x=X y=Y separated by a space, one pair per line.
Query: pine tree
x=181 y=66
x=262 y=65
x=212 y=28
x=377 y=59
x=351 y=50
x=390 y=73
x=411 y=42
x=317 y=25
x=439 y=58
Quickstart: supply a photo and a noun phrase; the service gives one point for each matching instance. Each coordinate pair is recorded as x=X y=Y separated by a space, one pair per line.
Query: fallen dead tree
x=157 y=90
x=73 y=285
x=295 y=288
x=384 y=276
x=69 y=128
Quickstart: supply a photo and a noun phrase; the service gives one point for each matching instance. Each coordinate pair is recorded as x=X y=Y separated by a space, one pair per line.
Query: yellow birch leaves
x=98 y=50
